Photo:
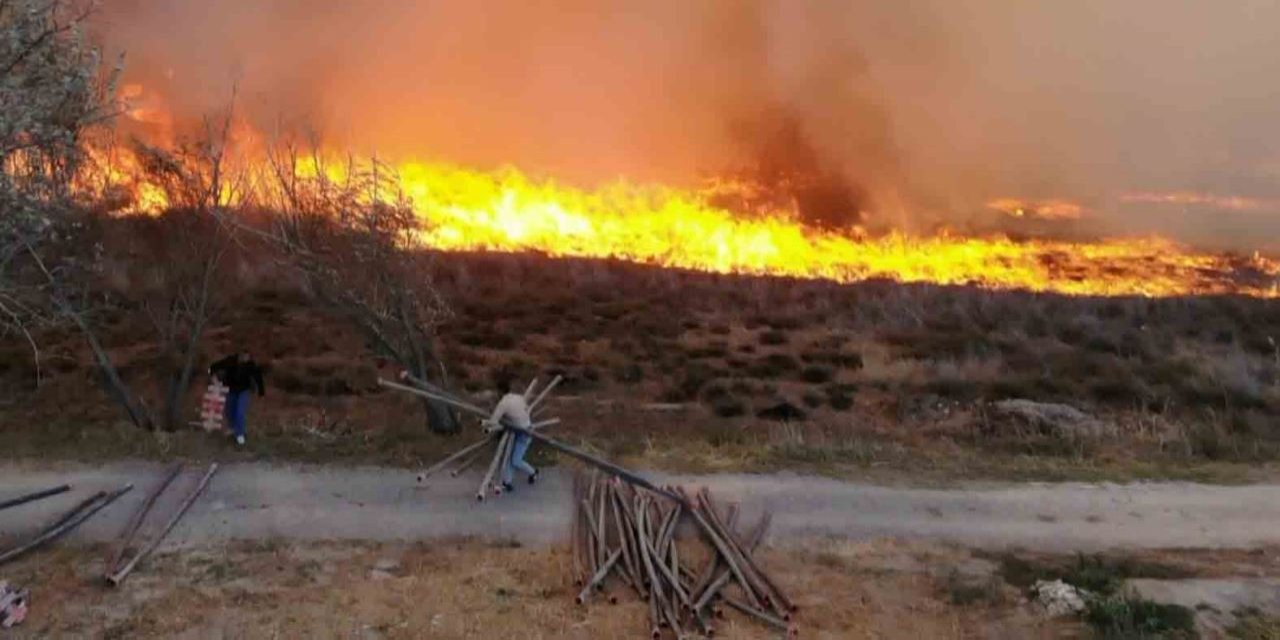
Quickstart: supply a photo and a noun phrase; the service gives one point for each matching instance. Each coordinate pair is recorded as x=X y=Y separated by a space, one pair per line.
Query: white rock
x=1058 y=598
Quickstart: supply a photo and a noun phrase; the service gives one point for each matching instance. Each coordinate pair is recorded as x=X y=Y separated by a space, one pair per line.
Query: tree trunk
x=181 y=379
x=111 y=378
x=440 y=417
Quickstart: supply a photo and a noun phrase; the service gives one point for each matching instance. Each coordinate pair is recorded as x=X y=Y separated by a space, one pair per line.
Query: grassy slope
x=894 y=380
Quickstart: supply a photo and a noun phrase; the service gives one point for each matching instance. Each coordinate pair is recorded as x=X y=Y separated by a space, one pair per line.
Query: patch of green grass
x=1129 y=617
x=1098 y=574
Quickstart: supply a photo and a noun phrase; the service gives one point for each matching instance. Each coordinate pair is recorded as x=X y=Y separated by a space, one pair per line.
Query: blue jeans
x=235 y=408
x=517 y=458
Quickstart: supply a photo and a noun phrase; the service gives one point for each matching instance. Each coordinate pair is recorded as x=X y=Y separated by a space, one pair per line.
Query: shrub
x=812 y=400
x=773 y=366
x=728 y=407
x=773 y=337
x=848 y=360
x=839 y=400
x=1130 y=617
x=817 y=374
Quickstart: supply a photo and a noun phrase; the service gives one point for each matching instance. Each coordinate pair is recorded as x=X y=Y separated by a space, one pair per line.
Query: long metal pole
x=32 y=497
x=119 y=576
x=598 y=577
x=533 y=406
x=68 y=522
x=461 y=404
x=599 y=462
x=135 y=523
x=461 y=453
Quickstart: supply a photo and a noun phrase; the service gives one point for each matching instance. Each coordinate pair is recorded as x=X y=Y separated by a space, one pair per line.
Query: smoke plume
x=923 y=109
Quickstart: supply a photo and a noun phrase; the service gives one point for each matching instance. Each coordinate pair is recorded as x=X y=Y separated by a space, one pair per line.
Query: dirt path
x=248 y=501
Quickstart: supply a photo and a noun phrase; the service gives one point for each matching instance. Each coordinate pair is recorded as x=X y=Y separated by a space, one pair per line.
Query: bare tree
x=52 y=92
x=354 y=239
x=184 y=258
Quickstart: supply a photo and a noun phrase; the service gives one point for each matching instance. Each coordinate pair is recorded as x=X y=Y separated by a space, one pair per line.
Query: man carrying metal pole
x=514 y=408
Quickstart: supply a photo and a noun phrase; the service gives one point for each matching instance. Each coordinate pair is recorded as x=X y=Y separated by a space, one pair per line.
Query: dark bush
x=728 y=407
x=817 y=374
x=773 y=337
x=839 y=399
x=629 y=373
x=812 y=400
x=773 y=366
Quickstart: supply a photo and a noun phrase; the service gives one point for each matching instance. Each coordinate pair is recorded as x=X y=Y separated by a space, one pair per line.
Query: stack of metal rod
x=684 y=556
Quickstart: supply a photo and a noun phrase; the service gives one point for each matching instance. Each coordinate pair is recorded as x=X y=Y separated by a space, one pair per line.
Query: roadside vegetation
x=107 y=321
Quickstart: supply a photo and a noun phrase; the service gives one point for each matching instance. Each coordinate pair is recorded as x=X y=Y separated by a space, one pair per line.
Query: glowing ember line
x=1188 y=198
x=470 y=210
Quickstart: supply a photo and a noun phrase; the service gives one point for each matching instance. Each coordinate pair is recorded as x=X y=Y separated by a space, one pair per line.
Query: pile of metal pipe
x=684 y=557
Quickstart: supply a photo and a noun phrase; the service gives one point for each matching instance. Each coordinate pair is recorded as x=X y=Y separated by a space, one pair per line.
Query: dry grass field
x=694 y=371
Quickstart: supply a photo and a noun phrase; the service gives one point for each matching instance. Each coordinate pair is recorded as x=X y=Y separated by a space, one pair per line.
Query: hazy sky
x=932 y=105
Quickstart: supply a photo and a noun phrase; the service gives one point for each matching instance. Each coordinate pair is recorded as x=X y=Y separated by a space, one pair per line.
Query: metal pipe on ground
x=67 y=522
x=624 y=537
x=723 y=548
x=785 y=606
x=598 y=579
x=745 y=563
x=131 y=529
x=721 y=579
x=594 y=543
x=119 y=576
x=759 y=615
x=32 y=497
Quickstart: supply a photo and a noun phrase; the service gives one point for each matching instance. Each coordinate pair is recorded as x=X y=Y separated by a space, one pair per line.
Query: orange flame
x=470 y=210
x=1190 y=198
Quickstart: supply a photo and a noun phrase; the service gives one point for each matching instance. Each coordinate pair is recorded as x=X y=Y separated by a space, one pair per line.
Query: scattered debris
x=1059 y=598
x=67 y=522
x=119 y=569
x=13 y=605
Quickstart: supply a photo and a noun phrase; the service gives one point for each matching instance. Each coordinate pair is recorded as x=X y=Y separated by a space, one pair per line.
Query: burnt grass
x=875 y=368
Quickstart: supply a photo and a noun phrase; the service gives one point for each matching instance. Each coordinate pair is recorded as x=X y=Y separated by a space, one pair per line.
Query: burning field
x=781 y=139
x=508 y=211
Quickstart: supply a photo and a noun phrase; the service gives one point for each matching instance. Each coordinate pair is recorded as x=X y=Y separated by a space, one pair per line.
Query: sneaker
x=507 y=487
x=533 y=477
x=240 y=441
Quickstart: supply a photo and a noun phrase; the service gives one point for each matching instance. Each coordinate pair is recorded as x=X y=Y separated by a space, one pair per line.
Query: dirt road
x=270 y=501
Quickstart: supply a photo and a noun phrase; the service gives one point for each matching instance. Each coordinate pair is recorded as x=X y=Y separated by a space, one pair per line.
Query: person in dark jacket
x=241 y=375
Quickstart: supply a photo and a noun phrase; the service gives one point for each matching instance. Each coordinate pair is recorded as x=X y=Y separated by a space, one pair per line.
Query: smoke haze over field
x=932 y=106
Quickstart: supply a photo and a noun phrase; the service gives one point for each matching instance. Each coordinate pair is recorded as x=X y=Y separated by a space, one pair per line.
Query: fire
x=506 y=210
x=1043 y=209
x=471 y=210
x=1190 y=198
